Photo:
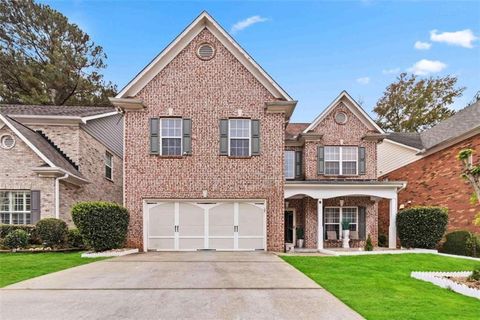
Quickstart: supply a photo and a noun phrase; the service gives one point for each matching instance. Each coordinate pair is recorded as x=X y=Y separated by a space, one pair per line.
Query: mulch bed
x=465 y=281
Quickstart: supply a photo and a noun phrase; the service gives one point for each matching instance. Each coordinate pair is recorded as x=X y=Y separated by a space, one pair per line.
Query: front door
x=289 y=226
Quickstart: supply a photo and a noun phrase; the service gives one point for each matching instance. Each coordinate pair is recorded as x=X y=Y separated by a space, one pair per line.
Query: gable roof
x=204 y=20
x=409 y=139
x=48 y=153
x=49 y=110
x=356 y=109
x=462 y=122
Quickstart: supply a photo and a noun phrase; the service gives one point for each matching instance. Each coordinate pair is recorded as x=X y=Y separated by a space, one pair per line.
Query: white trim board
x=357 y=110
x=204 y=20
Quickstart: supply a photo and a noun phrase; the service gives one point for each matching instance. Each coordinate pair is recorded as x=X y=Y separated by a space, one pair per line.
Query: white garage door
x=190 y=225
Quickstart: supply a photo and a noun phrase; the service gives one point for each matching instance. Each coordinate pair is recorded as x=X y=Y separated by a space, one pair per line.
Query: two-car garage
x=196 y=225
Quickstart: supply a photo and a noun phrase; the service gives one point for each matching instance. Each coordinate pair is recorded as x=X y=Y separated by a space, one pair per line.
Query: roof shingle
x=47 y=110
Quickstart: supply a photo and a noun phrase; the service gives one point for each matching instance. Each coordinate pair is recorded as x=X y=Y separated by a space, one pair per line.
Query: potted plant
x=345 y=234
x=299 y=237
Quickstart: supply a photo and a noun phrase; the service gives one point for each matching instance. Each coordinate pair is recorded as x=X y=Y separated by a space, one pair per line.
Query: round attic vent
x=7 y=141
x=341 y=117
x=206 y=51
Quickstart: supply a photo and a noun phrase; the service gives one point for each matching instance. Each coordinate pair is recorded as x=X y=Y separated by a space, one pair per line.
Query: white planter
x=346 y=239
x=300 y=243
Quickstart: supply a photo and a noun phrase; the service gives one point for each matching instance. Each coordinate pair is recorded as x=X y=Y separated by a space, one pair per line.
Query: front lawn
x=380 y=287
x=15 y=267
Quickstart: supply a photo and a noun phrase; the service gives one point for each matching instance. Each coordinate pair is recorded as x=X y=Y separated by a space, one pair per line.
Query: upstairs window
x=171 y=136
x=108 y=165
x=239 y=137
x=341 y=160
x=289 y=164
x=15 y=207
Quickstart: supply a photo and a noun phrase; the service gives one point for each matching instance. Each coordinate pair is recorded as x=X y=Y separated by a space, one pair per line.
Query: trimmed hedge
x=462 y=243
x=52 y=232
x=29 y=228
x=75 y=239
x=16 y=239
x=421 y=227
x=103 y=225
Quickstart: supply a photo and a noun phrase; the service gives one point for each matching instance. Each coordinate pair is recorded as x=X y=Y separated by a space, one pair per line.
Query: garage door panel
x=250 y=243
x=221 y=243
x=221 y=220
x=250 y=220
x=162 y=220
x=191 y=220
x=191 y=243
x=161 y=244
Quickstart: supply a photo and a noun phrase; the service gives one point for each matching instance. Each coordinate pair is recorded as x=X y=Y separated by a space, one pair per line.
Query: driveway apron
x=175 y=285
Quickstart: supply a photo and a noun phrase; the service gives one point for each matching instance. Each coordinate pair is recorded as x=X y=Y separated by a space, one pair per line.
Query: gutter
x=57 y=195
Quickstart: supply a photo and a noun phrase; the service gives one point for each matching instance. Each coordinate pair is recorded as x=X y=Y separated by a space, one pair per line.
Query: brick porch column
x=311 y=225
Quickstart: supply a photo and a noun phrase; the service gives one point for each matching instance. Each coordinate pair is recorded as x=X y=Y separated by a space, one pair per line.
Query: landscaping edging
x=437 y=278
x=388 y=251
x=110 y=253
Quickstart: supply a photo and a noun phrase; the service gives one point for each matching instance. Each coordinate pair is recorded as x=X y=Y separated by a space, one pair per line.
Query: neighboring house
x=428 y=162
x=211 y=161
x=54 y=156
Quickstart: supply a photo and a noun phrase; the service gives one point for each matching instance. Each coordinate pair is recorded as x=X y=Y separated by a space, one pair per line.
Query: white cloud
x=363 y=80
x=425 y=67
x=247 y=23
x=391 y=71
x=419 y=45
x=463 y=38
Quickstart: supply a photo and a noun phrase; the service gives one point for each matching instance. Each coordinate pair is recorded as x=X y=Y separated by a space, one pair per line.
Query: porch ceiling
x=333 y=189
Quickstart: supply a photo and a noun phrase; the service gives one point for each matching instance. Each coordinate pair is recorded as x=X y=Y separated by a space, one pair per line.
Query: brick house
x=54 y=156
x=212 y=162
x=427 y=161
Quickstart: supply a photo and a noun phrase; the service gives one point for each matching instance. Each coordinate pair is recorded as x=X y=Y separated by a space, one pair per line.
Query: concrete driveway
x=190 y=285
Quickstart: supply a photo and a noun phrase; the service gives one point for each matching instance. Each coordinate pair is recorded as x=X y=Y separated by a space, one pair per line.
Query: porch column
x=392 y=228
x=320 y=224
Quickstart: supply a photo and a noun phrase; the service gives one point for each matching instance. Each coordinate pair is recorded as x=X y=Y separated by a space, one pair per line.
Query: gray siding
x=109 y=131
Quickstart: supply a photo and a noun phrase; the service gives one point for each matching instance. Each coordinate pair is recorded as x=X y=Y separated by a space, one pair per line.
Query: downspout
x=57 y=195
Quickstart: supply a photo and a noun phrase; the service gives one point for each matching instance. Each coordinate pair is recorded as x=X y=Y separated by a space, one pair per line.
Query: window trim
x=249 y=138
x=340 y=161
x=11 y=206
x=293 y=164
x=107 y=153
x=161 y=137
x=340 y=219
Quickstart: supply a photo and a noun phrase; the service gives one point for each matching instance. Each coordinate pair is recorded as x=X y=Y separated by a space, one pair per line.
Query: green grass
x=15 y=267
x=380 y=286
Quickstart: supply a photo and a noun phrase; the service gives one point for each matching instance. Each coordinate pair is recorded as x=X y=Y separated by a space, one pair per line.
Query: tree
x=45 y=59
x=471 y=173
x=412 y=105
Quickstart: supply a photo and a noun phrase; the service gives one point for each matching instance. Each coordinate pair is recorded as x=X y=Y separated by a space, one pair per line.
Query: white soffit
x=204 y=20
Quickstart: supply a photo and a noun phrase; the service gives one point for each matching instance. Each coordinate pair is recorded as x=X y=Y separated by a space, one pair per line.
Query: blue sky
x=312 y=49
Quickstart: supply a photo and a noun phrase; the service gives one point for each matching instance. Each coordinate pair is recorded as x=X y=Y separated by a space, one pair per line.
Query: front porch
x=320 y=207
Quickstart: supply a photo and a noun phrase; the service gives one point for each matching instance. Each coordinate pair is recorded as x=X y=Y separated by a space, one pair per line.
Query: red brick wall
x=205 y=91
x=435 y=181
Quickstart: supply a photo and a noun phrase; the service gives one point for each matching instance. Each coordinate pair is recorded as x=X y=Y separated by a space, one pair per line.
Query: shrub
x=52 y=232
x=75 y=239
x=475 y=274
x=300 y=233
x=16 y=239
x=462 y=243
x=368 y=244
x=382 y=240
x=7 y=228
x=421 y=227
x=103 y=225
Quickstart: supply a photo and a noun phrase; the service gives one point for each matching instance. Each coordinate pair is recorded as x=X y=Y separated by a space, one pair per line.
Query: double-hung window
x=15 y=207
x=289 y=164
x=108 y=165
x=341 y=160
x=334 y=217
x=239 y=137
x=171 y=136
